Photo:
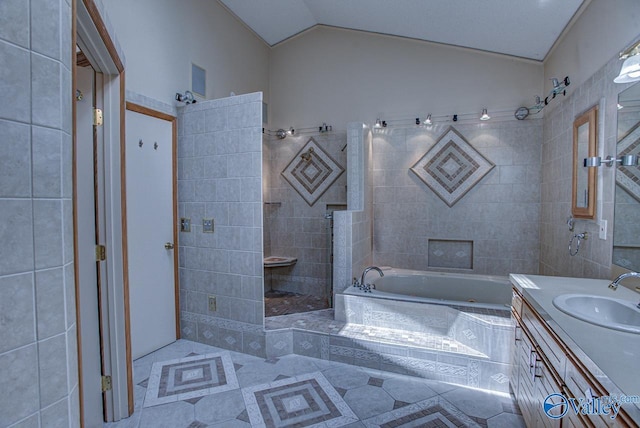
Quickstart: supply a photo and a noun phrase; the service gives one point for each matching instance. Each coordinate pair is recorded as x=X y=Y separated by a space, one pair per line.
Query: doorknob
x=168 y=246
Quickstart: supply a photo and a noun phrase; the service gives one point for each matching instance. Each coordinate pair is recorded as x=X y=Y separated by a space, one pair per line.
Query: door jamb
x=87 y=20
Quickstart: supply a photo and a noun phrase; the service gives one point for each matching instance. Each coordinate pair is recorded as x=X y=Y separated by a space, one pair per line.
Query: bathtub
x=480 y=291
x=462 y=322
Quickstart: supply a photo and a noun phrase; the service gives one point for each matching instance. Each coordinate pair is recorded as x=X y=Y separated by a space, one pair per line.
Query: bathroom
x=329 y=76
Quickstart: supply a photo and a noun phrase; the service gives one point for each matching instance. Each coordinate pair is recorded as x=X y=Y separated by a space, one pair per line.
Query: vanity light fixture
x=597 y=161
x=428 y=121
x=630 y=71
x=485 y=115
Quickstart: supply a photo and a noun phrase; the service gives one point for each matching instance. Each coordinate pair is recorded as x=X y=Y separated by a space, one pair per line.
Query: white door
x=88 y=286
x=150 y=224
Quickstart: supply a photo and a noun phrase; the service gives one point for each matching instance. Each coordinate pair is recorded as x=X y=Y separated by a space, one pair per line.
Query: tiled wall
x=594 y=258
x=353 y=228
x=500 y=214
x=219 y=178
x=38 y=353
x=292 y=227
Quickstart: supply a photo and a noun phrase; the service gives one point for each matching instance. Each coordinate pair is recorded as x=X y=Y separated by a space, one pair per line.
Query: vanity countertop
x=612 y=356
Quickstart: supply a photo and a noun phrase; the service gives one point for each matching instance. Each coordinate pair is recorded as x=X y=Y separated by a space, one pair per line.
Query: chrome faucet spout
x=364 y=273
x=615 y=282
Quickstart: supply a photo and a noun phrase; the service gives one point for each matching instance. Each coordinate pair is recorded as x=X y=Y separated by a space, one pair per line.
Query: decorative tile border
x=312 y=171
x=306 y=400
x=452 y=167
x=190 y=377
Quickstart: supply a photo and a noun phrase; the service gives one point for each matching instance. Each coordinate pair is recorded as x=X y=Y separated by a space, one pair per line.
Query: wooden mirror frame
x=590 y=118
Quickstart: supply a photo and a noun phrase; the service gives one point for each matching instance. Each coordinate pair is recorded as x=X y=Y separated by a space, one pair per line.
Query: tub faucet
x=614 y=284
x=367 y=287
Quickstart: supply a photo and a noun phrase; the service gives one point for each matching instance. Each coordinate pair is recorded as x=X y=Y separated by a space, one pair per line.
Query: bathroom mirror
x=583 y=199
x=626 y=233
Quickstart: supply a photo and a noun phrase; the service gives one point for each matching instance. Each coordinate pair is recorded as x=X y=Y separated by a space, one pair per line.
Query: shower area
x=304 y=182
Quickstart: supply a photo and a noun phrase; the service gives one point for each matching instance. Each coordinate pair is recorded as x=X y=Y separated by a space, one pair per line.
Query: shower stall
x=303 y=183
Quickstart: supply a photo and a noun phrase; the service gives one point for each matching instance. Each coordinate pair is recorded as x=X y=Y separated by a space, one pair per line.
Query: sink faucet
x=614 y=284
x=367 y=287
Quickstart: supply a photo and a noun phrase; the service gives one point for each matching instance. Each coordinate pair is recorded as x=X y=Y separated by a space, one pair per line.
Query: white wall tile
x=15 y=159
x=17 y=311
x=16 y=83
x=46 y=95
x=20 y=396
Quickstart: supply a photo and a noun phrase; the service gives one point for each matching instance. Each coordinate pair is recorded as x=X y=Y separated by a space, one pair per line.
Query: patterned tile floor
x=296 y=391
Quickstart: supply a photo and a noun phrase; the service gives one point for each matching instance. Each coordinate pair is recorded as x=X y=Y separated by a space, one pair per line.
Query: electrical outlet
x=602 y=234
x=185 y=224
x=212 y=303
x=207 y=225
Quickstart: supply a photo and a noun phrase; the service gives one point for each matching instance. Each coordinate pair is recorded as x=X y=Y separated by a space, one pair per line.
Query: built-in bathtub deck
x=317 y=334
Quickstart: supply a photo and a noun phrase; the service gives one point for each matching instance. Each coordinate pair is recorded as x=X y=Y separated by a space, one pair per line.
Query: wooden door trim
x=103 y=32
x=137 y=108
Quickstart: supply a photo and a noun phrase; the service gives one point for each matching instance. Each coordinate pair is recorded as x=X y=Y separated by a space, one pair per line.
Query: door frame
x=103 y=55
x=137 y=108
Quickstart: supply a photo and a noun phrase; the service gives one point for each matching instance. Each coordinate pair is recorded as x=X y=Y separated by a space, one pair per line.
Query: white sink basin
x=607 y=312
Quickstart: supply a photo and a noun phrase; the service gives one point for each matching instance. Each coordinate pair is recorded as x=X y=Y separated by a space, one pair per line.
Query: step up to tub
x=279 y=261
x=439 y=357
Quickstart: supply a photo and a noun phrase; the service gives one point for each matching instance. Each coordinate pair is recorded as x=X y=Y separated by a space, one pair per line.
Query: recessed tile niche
x=450 y=254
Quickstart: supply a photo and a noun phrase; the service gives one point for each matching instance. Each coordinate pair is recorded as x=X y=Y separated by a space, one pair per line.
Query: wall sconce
x=485 y=115
x=291 y=131
x=596 y=161
x=378 y=124
x=630 y=71
x=428 y=121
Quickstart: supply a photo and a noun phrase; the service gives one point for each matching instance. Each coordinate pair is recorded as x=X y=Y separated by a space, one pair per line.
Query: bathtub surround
x=594 y=258
x=38 y=352
x=448 y=338
x=219 y=178
x=499 y=216
x=295 y=225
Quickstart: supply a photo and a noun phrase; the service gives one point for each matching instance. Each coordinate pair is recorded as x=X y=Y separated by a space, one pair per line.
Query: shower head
x=187 y=98
x=307 y=155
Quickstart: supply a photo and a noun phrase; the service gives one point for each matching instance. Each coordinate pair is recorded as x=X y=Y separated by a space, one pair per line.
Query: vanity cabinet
x=542 y=365
x=536 y=378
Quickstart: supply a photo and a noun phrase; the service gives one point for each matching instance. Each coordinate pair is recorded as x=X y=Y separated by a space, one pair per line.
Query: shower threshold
x=278 y=303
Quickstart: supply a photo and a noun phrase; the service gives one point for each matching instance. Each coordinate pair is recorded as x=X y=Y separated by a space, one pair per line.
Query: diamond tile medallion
x=312 y=171
x=629 y=178
x=190 y=377
x=305 y=400
x=452 y=167
x=434 y=412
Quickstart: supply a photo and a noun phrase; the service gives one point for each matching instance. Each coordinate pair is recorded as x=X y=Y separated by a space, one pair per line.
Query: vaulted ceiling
x=523 y=28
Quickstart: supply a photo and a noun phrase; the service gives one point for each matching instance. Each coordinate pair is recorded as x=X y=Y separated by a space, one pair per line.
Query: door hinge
x=101 y=253
x=97 y=117
x=106 y=383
